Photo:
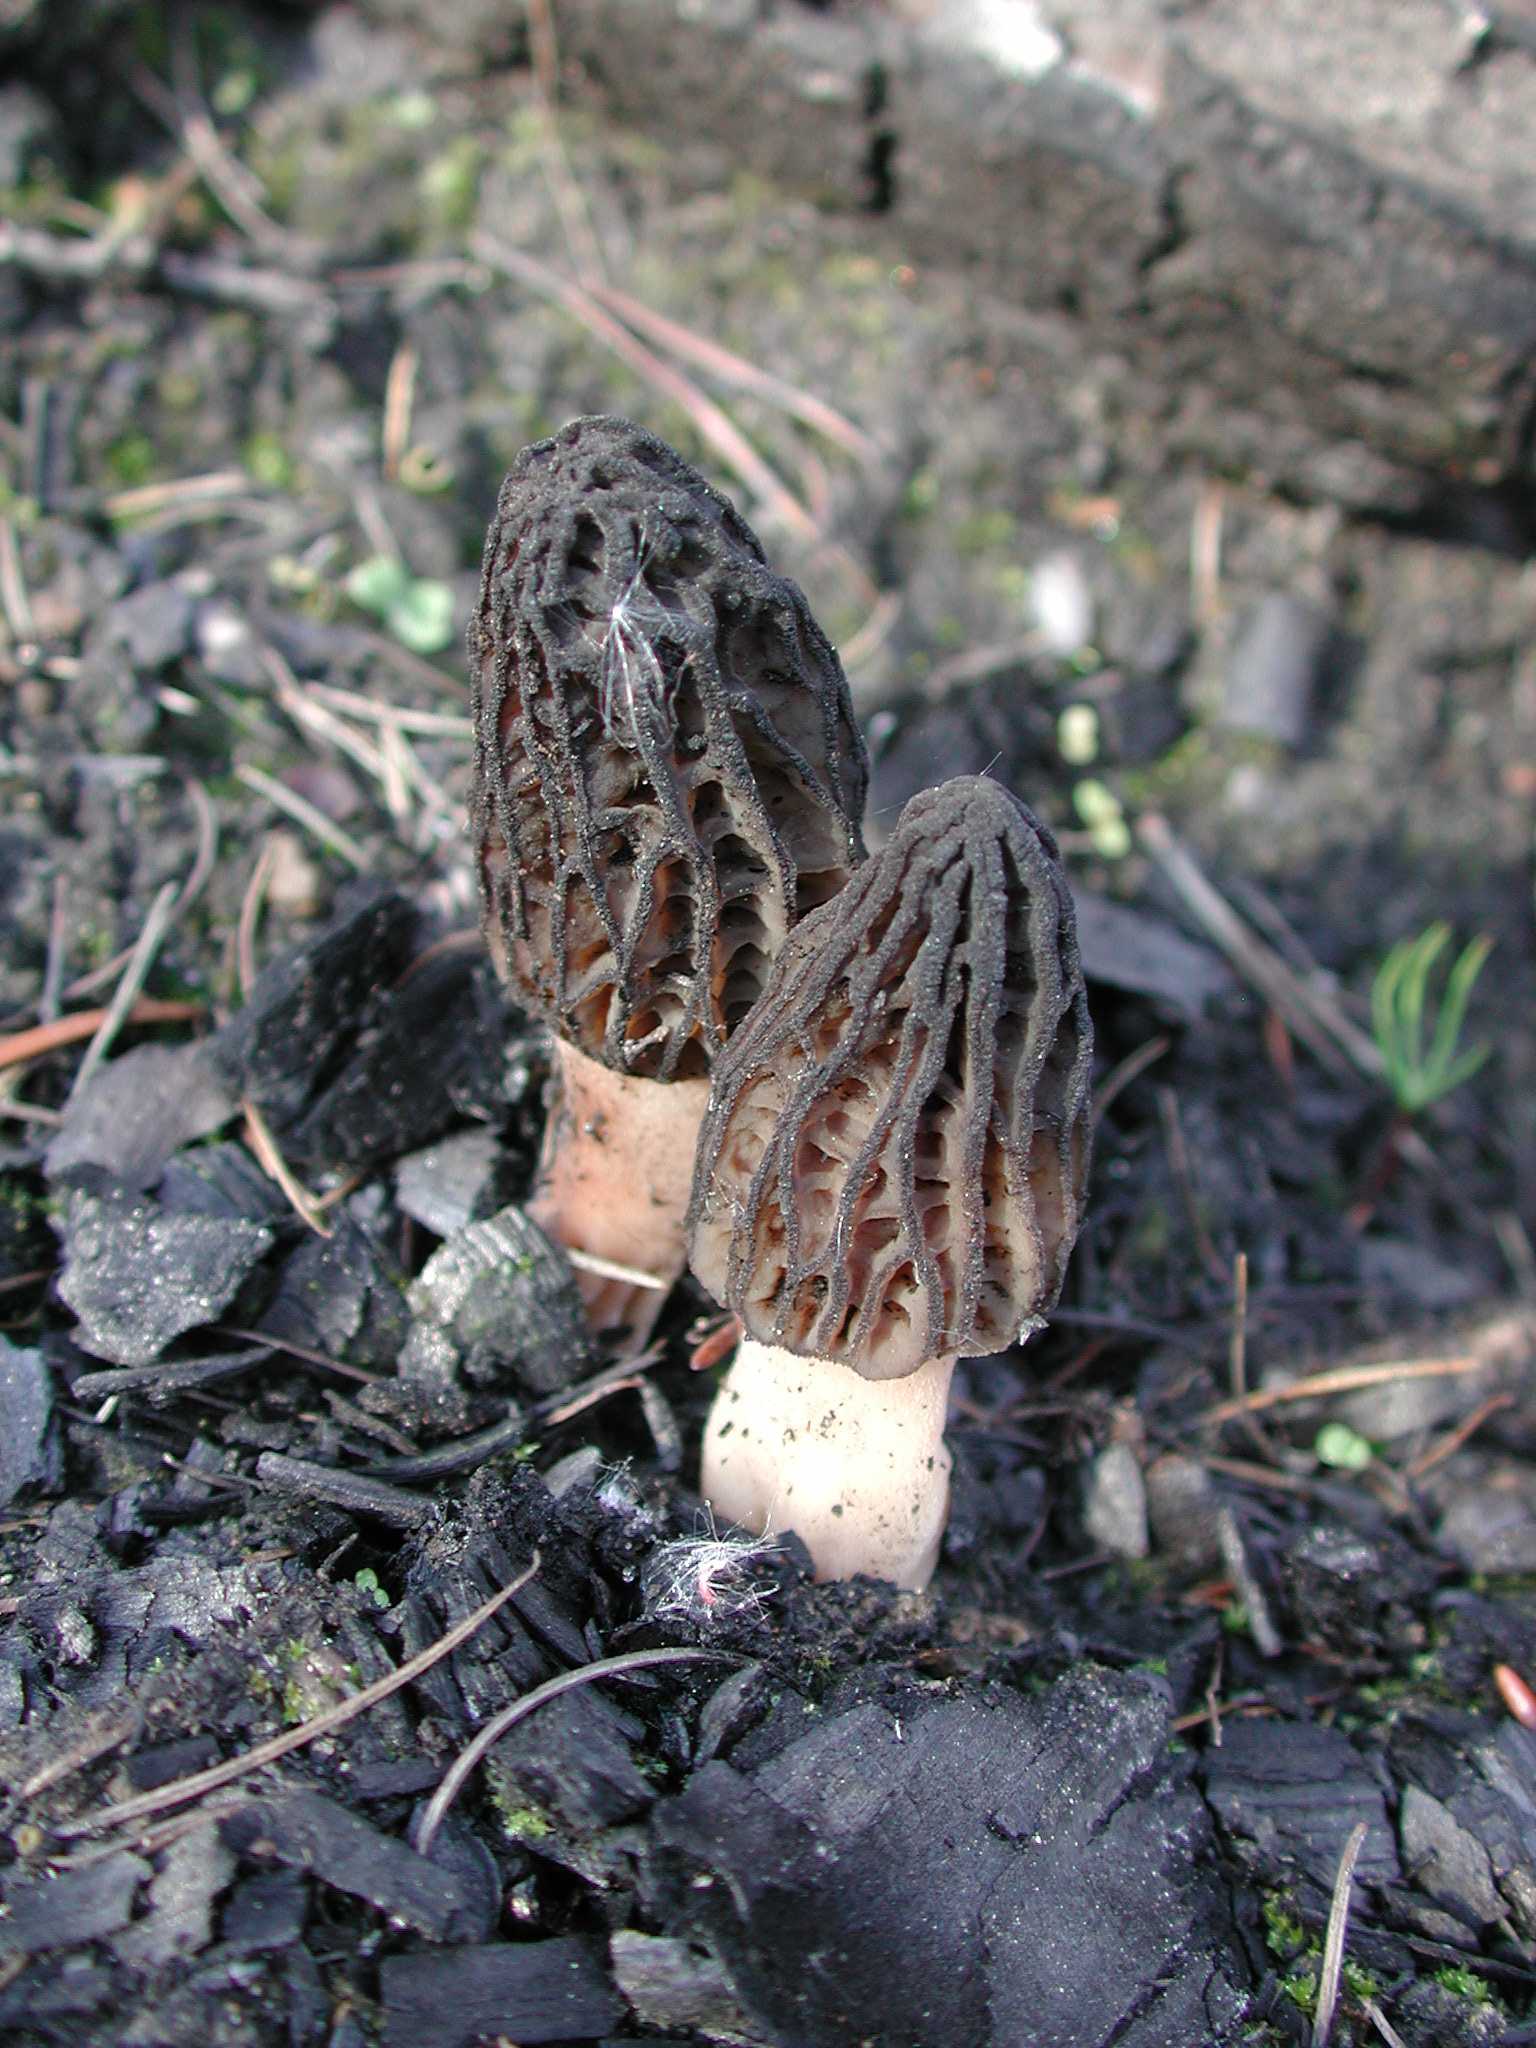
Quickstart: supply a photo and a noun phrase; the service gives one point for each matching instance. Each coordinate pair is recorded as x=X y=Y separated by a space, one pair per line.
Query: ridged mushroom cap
x=667 y=769
x=891 y=1168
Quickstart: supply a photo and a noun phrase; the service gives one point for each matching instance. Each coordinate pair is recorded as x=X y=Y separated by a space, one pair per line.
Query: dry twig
x=1333 y=1943
x=20 y=1046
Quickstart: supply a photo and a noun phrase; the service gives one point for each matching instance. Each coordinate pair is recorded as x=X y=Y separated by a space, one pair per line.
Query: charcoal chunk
x=28 y=1454
x=306 y=1004
x=79 y=1906
x=983 y=1869
x=1290 y=1794
x=306 y=1831
x=527 y=1992
x=137 y=1275
x=496 y=1302
x=428 y=1057
x=138 y=1110
x=267 y=1911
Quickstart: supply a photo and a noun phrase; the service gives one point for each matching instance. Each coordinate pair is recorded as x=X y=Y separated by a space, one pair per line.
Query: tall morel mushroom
x=890 y=1176
x=667 y=777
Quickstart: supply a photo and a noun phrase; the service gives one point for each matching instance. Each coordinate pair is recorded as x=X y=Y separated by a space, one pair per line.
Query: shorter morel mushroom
x=667 y=776
x=890 y=1176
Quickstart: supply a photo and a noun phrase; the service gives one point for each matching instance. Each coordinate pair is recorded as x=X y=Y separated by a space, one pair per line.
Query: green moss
x=983 y=530
x=130 y=460
x=524 y=1823
x=1462 y=1983
x=449 y=183
x=268 y=462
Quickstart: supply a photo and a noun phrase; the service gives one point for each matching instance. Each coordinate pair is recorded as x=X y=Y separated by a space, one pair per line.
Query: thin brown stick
x=498 y=1725
x=1453 y=1439
x=714 y=425
x=1333 y=1943
x=1313 y=1018
x=140 y=961
x=20 y=1046
x=1343 y=1379
x=304 y=813
x=250 y=918
x=181 y=1790
x=399 y=402
x=1129 y=1069
x=258 y=1136
x=570 y=202
x=730 y=368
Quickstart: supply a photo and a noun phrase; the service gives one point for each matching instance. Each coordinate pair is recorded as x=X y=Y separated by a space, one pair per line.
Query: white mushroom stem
x=857 y=1468
x=613 y=1183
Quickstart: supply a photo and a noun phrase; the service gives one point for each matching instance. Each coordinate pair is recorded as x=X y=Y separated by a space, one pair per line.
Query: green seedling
x=417 y=611
x=1418 y=1074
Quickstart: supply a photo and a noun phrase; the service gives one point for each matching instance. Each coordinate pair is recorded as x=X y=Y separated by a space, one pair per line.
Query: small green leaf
x=422 y=617
x=379 y=583
x=1343 y=1448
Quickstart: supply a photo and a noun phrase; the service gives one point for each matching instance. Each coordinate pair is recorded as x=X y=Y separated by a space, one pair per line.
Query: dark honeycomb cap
x=667 y=770
x=892 y=1165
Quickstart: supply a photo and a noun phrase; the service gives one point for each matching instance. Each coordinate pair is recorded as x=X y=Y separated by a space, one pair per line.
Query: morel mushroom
x=890 y=1176
x=667 y=777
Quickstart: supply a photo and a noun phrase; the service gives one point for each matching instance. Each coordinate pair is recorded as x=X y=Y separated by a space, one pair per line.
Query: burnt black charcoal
x=347 y=1490
x=1277 y=664
x=153 y=624
x=137 y=1275
x=1478 y=1851
x=308 y=1832
x=1129 y=948
x=428 y=1056
x=985 y=1869
x=306 y=1004
x=138 y=1110
x=448 y=1184
x=164 y=1377
x=497 y=1306
x=148 y=1768
x=667 y=768
x=529 y=1992
x=338 y=1295
x=1287 y=1794
x=29 y=1453
x=266 y=1911
x=1355 y=1596
x=223 y=1181
x=573 y=1761
x=78 y=1906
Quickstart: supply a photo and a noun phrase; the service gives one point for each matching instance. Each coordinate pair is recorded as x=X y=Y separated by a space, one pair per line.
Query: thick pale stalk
x=856 y=1467
x=613 y=1182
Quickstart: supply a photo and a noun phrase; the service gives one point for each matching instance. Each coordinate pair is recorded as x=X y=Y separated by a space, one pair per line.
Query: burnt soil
x=1202 y=1630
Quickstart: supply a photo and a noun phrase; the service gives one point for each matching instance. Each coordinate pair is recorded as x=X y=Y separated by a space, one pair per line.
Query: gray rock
x=154 y=624
x=1115 y=1507
x=1275 y=667
x=1489 y=1523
